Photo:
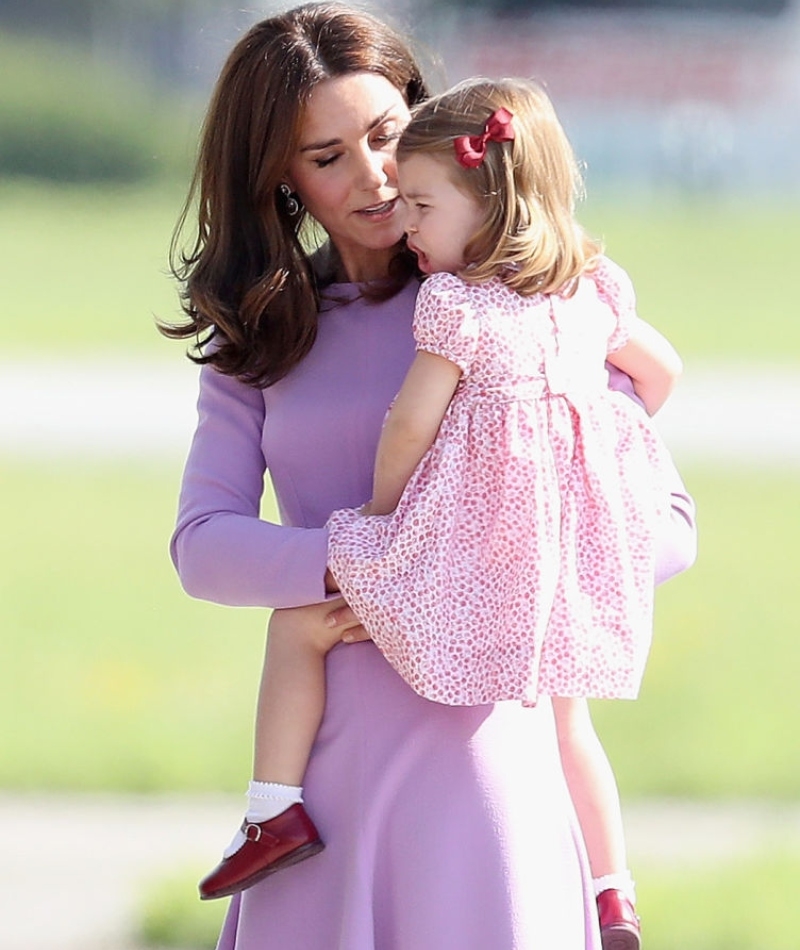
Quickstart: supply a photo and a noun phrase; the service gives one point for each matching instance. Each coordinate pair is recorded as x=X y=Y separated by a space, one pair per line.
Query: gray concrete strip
x=675 y=833
x=74 y=867
x=121 y=407
x=735 y=413
x=94 y=407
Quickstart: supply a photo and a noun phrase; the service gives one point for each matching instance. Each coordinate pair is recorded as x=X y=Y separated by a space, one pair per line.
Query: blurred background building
x=703 y=95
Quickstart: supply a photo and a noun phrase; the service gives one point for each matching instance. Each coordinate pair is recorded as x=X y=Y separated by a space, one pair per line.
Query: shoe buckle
x=259 y=833
x=246 y=828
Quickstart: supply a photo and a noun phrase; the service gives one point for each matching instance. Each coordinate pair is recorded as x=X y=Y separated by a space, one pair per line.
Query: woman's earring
x=291 y=203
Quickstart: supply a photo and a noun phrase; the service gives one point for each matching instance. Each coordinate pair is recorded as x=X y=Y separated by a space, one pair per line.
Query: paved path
x=121 y=407
x=79 y=863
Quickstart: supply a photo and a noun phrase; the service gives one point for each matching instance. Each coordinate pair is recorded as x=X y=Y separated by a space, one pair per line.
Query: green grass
x=719 y=700
x=116 y=680
x=712 y=276
x=87 y=268
x=747 y=904
x=126 y=683
x=172 y=915
x=111 y=676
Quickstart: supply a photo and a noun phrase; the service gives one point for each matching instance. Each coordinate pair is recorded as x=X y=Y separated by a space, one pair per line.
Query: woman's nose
x=373 y=170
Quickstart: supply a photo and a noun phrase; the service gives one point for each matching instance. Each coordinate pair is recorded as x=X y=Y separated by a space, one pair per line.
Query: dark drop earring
x=291 y=204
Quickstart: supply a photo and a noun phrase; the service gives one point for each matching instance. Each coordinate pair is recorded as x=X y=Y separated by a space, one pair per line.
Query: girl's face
x=344 y=170
x=440 y=218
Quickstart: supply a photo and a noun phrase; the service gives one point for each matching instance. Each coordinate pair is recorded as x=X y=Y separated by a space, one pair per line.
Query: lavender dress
x=447 y=828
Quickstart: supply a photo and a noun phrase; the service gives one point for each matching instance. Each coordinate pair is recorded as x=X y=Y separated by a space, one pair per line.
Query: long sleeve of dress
x=676 y=544
x=222 y=550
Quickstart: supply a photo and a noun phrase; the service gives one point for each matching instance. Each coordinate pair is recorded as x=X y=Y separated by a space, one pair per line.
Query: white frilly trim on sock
x=622 y=881
x=266 y=800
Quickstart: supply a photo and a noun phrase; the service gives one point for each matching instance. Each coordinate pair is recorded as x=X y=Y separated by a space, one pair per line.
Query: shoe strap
x=258 y=835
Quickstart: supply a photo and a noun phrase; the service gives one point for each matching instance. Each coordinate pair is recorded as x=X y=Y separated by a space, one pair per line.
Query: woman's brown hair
x=247 y=282
x=529 y=186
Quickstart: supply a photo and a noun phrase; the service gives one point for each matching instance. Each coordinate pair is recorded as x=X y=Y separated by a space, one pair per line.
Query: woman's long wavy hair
x=246 y=280
x=529 y=186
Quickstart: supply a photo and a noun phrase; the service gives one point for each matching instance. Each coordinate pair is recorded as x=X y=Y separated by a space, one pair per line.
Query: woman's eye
x=385 y=137
x=324 y=162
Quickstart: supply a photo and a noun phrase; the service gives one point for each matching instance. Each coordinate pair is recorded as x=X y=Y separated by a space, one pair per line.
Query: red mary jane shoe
x=619 y=924
x=271 y=845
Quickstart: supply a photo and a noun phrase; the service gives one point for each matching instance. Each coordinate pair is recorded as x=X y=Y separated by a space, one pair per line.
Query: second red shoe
x=619 y=924
x=270 y=846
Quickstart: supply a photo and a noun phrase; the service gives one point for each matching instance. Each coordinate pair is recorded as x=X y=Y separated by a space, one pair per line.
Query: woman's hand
x=341 y=618
x=324 y=624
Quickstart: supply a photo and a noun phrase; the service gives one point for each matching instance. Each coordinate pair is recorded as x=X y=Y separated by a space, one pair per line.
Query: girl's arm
x=411 y=426
x=651 y=362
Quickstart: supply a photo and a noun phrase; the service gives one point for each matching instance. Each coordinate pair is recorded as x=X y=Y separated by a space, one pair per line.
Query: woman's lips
x=380 y=211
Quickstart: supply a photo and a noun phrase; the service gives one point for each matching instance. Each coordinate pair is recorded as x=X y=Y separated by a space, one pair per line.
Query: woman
x=439 y=835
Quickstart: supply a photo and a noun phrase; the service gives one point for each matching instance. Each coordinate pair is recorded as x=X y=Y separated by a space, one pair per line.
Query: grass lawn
x=126 y=683
x=114 y=679
x=111 y=676
x=719 y=701
x=702 y=908
x=746 y=904
x=87 y=268
x=712 y=277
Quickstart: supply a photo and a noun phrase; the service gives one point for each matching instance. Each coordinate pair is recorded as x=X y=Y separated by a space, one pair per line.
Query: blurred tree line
x=100 y=90
x=96 y=90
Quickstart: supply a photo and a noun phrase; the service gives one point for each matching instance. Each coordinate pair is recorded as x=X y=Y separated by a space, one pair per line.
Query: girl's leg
x=594 y=793
x=592 y=786
x=291 y=700
x=276 y=831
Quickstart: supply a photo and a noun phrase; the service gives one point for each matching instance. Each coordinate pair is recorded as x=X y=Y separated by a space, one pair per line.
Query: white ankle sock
x=268 y=799
x=621 y=881
x=265 y=800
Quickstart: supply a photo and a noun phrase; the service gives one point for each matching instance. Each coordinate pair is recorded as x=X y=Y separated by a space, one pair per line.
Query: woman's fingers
x=340 y=615
x=355 y=635
x=343 y=619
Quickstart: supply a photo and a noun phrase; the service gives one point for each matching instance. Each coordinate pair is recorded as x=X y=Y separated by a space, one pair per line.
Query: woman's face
x=344 y=169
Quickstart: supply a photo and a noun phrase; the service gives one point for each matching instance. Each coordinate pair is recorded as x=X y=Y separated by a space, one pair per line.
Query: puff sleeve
x=615 y=288
x=446 y=321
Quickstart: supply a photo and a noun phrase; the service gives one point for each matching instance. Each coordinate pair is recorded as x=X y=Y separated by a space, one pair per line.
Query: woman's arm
x=411 y=426
x=651 y=362
x=676 y=541
x=222 y=550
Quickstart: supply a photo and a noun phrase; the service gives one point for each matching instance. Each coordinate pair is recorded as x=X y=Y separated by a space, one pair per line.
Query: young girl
x=510 y=544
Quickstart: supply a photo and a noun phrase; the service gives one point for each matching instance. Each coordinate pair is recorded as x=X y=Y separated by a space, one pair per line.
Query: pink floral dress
x=520 y=557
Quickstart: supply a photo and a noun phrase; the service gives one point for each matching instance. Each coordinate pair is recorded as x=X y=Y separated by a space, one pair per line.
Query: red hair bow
x=471 y=149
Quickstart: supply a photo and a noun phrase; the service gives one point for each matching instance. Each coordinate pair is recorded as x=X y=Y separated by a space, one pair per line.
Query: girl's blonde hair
x=530 y=237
